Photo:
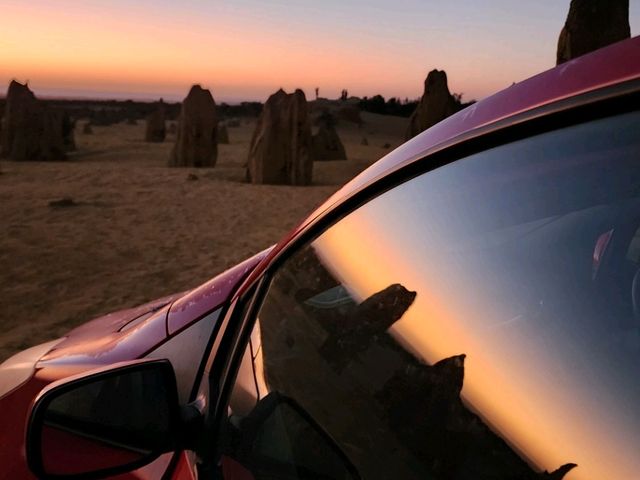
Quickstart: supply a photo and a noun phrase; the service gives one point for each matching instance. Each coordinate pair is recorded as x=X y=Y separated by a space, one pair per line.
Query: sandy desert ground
x=140 y=230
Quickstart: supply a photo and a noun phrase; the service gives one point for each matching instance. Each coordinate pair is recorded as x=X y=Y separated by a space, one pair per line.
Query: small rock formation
x=592 y=24
x=68 y=132
x=351 y=114
x=223 y=134
x=31 y=131
x=560 y=472
x=196 y=143
x=369 y=320
x=436 y=104
x=386 y=146
x=324 y=117
x=87 y=130
x=280 y=151
x=64 y=202
x=105 y=117
x=156 y=130
x=326 y=144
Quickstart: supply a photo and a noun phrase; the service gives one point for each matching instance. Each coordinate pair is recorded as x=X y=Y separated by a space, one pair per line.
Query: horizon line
x=166 y=99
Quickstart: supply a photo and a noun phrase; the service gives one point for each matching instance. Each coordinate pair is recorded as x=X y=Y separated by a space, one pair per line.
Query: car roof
x=606 y=67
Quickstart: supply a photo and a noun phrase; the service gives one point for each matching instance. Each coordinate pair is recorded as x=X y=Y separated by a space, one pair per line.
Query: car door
x=455 y=325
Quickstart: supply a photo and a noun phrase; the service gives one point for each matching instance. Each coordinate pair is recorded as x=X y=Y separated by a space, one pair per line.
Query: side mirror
x=105 y=423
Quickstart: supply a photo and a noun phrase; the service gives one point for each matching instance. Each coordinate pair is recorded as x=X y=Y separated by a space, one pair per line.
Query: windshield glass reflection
x=500 y=249
x=481 y=320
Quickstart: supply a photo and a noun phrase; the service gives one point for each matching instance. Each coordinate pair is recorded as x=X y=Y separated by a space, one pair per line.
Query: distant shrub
x=401 y=108
x=393 y=106
x=326 y=118
x=457 y=97
x=244 y=109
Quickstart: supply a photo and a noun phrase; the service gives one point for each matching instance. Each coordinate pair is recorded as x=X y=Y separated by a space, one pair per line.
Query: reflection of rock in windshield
x=365 y=324
x=393 y=415
x=423 y=407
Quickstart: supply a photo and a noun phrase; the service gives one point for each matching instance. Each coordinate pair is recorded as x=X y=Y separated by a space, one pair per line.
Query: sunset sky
x=246 y=49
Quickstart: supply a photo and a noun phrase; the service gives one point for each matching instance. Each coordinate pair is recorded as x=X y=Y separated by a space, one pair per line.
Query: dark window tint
x=479 y=321
x=128 y=410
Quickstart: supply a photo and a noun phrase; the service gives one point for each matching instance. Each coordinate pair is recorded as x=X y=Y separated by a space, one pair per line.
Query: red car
x=466 y=308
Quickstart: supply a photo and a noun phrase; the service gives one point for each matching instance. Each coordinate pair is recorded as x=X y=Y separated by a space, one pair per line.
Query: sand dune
x=141 y=230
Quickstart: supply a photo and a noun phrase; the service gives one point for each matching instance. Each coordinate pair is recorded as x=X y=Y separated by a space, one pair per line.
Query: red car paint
x=100 y=342
x=184 y=469
x=67 y=454
x=106 y=340
x=15 y=408
x=208 y=296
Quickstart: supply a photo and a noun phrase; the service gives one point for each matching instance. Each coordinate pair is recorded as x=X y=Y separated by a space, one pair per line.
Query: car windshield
x=517 y=270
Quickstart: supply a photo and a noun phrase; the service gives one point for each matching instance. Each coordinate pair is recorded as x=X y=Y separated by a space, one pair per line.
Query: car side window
x=318 y=362
x=477 y=321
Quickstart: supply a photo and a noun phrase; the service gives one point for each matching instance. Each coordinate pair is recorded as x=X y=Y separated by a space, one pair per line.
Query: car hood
x=18 y=369
x=132 y=333
x=116 y=321
x=119 y=336
x=115 y=337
